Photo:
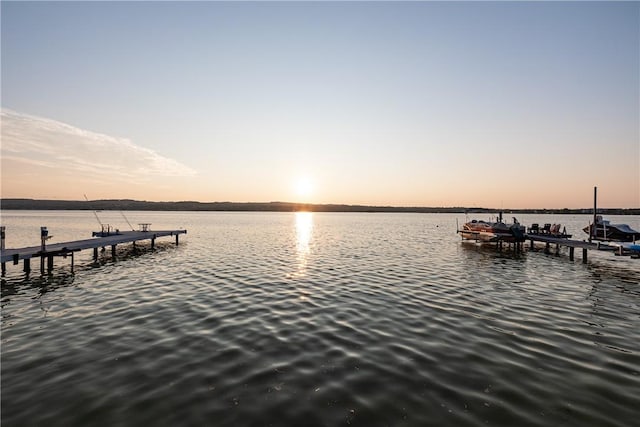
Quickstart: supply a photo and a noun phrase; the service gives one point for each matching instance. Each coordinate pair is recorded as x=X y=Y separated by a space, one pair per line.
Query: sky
x=475 y=104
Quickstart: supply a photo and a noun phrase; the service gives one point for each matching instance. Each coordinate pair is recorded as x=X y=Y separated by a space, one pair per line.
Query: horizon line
x=297 y=205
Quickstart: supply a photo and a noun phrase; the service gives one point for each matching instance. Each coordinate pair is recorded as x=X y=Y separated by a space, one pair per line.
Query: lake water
x=320 y=319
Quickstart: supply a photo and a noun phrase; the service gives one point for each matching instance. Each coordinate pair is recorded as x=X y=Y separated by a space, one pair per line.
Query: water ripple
x=322 y=319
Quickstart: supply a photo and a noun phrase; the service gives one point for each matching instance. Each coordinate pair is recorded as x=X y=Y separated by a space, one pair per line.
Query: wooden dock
x=559 y=242
x=103 y=240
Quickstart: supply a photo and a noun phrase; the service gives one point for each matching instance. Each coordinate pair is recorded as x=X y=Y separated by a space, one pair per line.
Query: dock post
x=557 y=249
x=41 y=264
x=177 y=239
x=95 y=253
x=584 y=255
x=2 y=236
x=113 y=251
x=153 y=242
x=49 y=263
x=27 y=265
x=44 y=236
x=72 y=262
x=546 y=248
x=571 y=250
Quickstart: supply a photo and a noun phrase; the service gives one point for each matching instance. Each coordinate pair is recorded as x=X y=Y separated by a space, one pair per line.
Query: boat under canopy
x=496 y=231
x=606 y=231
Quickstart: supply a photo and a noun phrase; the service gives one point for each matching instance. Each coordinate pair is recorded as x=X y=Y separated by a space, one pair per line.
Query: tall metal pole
x=2 y=236
x=595 y=211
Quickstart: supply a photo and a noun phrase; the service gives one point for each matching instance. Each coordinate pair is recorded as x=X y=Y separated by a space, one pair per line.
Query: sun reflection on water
x=304 y=232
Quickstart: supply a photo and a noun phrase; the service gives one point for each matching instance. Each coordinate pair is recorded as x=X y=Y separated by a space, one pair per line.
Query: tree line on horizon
x=140 y=205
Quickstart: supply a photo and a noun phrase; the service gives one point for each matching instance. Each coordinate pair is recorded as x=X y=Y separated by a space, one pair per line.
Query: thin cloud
x=48 y=143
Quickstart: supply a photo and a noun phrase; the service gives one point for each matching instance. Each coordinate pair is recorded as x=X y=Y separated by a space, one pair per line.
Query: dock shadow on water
x=126 y=253
x=505 y=249
x=37 y=284
x=64 y=275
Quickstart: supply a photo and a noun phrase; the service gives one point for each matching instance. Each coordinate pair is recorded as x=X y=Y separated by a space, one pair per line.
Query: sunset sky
x=477 y=104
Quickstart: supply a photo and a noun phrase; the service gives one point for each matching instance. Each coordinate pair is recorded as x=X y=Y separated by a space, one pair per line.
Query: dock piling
x=2 y=236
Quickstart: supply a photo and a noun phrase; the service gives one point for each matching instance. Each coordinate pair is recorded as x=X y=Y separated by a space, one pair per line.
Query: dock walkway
x=616 y=248
x=65 y=249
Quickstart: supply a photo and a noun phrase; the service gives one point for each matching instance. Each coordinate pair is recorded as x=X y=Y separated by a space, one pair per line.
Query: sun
x=303 y=187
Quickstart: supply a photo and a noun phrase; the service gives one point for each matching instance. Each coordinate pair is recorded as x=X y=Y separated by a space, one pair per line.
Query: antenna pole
x=94 y=212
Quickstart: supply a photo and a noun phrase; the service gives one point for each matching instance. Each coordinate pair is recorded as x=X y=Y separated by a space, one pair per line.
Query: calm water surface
x=317 y=319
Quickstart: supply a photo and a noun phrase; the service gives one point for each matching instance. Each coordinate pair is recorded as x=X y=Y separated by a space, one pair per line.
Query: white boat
x=496 y=231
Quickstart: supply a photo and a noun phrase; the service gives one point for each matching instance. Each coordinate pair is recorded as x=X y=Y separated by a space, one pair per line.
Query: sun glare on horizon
x=303 y=188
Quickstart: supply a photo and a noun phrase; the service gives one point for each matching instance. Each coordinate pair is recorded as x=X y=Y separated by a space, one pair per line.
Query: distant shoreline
x=137 y=205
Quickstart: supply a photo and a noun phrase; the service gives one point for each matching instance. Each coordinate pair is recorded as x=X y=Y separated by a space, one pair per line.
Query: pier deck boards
x=614 y=247
x=64 y=248
x=568 y=242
